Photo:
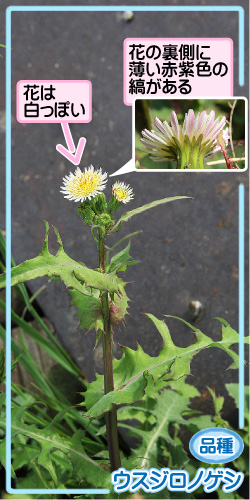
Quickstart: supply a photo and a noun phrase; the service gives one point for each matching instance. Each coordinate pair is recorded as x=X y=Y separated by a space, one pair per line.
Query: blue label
x=216 y=445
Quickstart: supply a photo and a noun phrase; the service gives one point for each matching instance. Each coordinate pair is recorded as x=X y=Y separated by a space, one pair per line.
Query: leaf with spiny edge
x=135 y=367
x=168 y=409
x=144 y=410
x=229 y=338
x=72 y=273
x=89 y=308
x=121 y=261
x=119 y=306
x=48 y=440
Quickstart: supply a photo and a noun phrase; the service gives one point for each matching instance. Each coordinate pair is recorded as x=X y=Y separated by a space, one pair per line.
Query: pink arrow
x=72 y=154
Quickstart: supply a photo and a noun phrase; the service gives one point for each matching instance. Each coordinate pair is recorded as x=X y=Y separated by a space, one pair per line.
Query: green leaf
x=72 y=273
x=229 y=338
x=34 y=476
x=183 y=388
x=139 y=413
x=20 y=288
x=28 y=364
x=2 y=364
x=218 y=401
x=128 y=236
x=168 y=409
x=132 y=371
x=40 y=340
x=89 y=308
x=128 y=215
x=84 y=467
x=23 y=455
x=121 y=261
x=199 y=422
x=233 y=391
x=177 y=455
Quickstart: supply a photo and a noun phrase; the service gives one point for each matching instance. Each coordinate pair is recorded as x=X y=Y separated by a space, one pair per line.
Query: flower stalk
x=111 y=416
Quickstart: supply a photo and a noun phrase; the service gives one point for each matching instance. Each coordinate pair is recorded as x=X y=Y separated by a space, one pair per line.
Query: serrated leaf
x=134 y=392
x=233 y=391
x=183 y=388
x=72 y=273
x=133 y=412
x=127 y=264
x=24 y=456
x=135 y=367
x=169 y=408
x=48 y=440
x=119 y=259
x=35 y=477
x=128 y=215
x=199 y=422
x=119 y=307
x=89 y=308
x=178 y=456
x=229 y=338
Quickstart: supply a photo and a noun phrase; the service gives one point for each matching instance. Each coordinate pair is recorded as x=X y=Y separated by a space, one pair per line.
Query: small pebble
x=127 y=16
x=195 y=309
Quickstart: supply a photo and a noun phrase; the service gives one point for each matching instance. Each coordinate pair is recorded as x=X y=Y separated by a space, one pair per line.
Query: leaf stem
x=111 y=416
x=124 y=239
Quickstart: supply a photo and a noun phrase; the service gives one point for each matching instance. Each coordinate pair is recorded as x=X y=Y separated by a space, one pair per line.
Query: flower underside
x=188 y=144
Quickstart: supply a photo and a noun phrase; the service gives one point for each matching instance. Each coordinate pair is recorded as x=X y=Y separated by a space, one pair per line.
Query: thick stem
x=111 y=416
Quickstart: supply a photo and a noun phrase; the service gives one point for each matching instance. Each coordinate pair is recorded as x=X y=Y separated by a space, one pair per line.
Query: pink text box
x=71 y=98
x=147 y=69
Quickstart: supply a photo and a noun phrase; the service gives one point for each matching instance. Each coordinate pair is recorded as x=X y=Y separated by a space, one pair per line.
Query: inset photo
x=190 y=134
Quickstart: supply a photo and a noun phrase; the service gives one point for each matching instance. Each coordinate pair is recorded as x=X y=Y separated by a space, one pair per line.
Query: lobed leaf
x=72 y=273
x=169 y=408
x=89 y=308
x=84 y=467
x=135 y=367
x=121 y=261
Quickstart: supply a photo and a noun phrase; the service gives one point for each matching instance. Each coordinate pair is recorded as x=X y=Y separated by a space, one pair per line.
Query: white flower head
x=199 y=132
x=122 y=192
x=81 y=186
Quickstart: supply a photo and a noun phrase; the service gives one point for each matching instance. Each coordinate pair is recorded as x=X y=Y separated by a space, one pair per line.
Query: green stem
x=146 y=112
x=111 y=416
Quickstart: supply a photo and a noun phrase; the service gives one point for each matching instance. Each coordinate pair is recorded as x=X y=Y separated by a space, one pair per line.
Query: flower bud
x=86 y=213
x=105 y=220
x=100 y=202
x=114 y=204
